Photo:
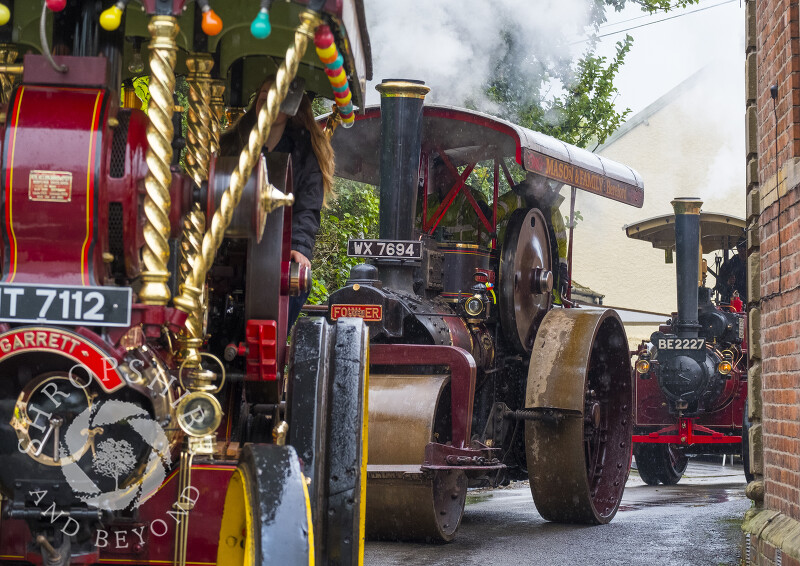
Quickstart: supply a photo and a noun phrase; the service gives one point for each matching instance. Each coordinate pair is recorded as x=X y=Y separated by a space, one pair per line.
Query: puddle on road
x=663 y=497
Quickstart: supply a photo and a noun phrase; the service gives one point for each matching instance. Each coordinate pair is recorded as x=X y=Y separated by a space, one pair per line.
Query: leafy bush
x=353 y=213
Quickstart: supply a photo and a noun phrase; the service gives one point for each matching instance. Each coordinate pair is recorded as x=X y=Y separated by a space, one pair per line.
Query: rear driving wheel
x=327 y=414
x=268 y=483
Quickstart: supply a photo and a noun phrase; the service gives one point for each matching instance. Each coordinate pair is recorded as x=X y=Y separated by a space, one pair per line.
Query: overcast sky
x=667 y=52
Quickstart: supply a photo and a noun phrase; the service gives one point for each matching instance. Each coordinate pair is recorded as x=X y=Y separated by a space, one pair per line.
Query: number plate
x=394 y=249
x=64 y=304
x=681 y=343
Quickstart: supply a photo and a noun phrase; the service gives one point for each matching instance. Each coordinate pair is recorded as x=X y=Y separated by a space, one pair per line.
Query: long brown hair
x=235 y=137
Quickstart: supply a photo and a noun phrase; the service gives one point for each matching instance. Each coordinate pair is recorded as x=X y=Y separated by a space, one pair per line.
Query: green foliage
x=141 y=85
x=352 y=214
x=572 y=100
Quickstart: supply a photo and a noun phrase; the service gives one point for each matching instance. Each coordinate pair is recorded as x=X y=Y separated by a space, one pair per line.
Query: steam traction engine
x=691 y=377
x=475 y=378
x=136 y=428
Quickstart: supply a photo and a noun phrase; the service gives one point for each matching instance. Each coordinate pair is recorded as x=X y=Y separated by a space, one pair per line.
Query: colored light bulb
x=136 y=65
x=56 y=5
x=5 y=14
x=261 y=28
x=212 y=23
x=111 y=18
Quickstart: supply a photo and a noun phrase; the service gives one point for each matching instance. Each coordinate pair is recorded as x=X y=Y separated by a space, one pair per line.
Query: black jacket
x=307 y=179
x=308 y=188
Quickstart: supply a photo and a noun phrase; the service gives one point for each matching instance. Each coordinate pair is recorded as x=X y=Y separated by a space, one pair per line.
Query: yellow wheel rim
x=237 y=534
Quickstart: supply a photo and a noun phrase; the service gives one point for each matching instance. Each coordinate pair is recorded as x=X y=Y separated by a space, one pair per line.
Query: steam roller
x=476 y=377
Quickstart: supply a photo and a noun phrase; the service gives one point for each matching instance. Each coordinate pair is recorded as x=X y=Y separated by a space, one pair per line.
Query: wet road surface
x=695 y=523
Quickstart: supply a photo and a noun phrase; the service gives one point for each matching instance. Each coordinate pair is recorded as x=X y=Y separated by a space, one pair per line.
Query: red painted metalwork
x=441 y=210
x=51 y=167
x=64 y=343
x=685 y=433
x=83 y=71
x=211 y=482
x=462 y=377
x=262 y=346
x=496 y=195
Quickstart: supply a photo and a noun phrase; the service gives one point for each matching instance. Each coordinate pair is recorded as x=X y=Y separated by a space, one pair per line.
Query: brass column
x=163 y=30
x=190 y=294
x=8 y=54
x=191 y=337
x=217 y=112
x=198 y=118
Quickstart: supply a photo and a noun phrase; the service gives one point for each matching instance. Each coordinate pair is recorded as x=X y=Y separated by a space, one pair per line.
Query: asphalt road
x=695 y=523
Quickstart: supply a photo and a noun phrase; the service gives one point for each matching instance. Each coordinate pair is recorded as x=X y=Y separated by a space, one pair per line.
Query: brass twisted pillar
x=191 y=337
x=217 y=112
x=8 y=54
x=190 y=294
x=198 y=118
x=163 y=30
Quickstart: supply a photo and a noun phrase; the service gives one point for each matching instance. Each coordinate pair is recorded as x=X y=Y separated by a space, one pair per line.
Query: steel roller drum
x=404 y=502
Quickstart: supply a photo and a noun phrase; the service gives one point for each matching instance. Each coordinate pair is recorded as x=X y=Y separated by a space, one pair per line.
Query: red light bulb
x=56 y=5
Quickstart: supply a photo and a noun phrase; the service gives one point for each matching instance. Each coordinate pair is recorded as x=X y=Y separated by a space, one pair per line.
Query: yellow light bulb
x=643 y=366
x=111 y=18
x=5 y=14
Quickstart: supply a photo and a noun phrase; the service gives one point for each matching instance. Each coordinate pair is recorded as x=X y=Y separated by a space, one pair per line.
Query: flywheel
x=526 y=278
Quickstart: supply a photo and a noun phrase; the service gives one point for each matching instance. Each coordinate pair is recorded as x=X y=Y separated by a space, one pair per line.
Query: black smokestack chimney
x=687 y=248
x=401 y=141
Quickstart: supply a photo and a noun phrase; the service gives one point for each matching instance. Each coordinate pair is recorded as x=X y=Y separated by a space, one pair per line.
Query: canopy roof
x=717 y=231
x=240 y=59
x=466 y=136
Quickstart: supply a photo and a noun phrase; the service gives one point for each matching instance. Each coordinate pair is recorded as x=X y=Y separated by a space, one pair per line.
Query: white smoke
x=454 y=46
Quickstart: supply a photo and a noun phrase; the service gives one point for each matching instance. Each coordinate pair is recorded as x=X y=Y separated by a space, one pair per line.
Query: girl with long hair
x=312 y=168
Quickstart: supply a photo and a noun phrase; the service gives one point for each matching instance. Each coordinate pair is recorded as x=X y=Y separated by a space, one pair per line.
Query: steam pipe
x=687 y=248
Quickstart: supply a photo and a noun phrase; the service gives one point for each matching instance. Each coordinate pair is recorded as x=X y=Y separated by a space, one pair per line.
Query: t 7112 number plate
x=65 y=304
x=391 y=249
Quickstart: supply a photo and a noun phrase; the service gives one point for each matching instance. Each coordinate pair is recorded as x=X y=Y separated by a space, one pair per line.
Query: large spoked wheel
x=327 y=415
x=267 y=514
x=580 y=384
x=660 y=463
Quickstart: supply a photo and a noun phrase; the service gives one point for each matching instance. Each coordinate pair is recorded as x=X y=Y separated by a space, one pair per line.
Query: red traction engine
x=691 y=377
x=144 y=417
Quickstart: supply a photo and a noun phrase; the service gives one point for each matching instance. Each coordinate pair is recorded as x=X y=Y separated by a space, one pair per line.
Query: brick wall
x=780 y=350
x=771 y=530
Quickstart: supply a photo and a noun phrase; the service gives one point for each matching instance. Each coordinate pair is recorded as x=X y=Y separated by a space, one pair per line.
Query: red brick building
x=771 y=530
